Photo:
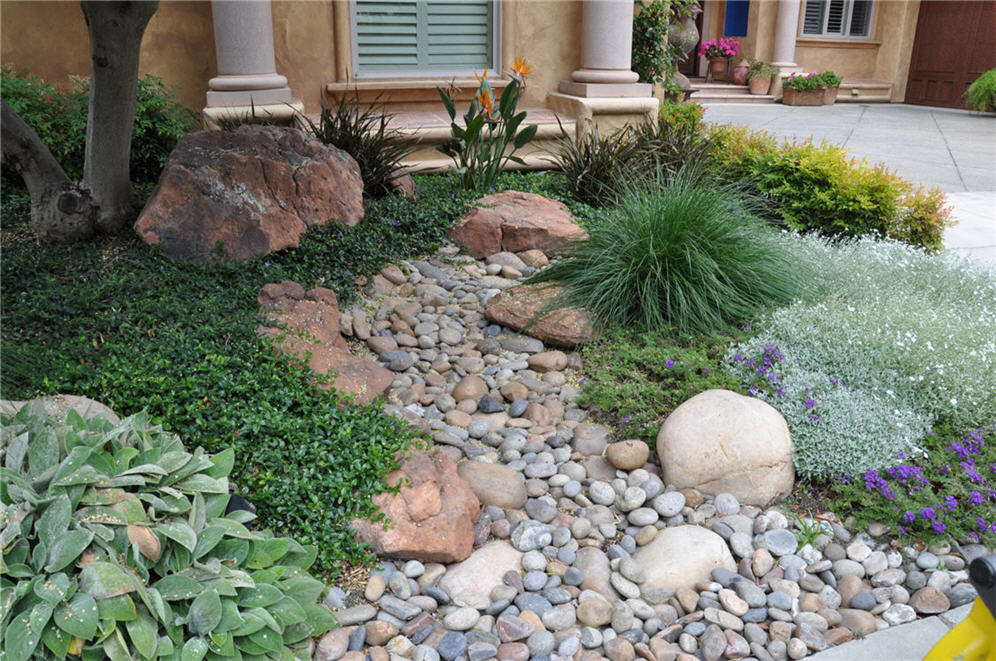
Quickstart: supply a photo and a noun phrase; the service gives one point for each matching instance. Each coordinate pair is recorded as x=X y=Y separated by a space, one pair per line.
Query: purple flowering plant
x=766 y=378
x=949 y=492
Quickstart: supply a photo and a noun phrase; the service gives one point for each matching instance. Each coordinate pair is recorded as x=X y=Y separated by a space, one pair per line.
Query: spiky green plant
x=685 y=253
x=981 y=94
x=116 y=545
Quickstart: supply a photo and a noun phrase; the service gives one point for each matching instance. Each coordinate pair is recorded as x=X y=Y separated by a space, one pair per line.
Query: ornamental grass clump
x=900 y=341
x=684 y=253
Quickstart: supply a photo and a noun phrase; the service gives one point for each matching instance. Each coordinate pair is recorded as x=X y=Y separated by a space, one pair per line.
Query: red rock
x=304 y=324
x=253 y=191
x=513 y=221
x=519 y=308
x=414 y=531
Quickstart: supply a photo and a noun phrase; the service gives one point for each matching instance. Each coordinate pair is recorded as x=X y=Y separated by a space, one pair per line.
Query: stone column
x=247 y=71
x=786 y=28
x=606 y=52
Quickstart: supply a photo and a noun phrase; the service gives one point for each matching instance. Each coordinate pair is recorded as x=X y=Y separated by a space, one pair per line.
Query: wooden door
x=955 y=43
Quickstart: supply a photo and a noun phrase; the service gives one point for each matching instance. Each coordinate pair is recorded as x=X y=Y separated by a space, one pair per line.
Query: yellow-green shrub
x=819 y=187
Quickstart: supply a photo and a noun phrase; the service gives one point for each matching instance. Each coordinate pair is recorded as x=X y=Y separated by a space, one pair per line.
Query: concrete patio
x=953 y=150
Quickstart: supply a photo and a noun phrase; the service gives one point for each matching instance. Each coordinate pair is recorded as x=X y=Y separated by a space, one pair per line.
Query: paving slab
x=907 y=642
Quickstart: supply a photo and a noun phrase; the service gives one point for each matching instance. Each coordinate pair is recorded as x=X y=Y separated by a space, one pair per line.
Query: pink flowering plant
x=722 y=47
x=803 y=83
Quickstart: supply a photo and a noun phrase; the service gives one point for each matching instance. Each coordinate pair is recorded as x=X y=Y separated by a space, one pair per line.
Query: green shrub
x=633 y=381
x=117 y=545
x=829 y=79
x=899 y=341
x=60 y=120
x=655 y=51
x=179 y=340
x=819 y=187
x=981 y=94
x=363 y=134
x=761 y=70
x=595 y=166
x=674 y=141
x=687 y=254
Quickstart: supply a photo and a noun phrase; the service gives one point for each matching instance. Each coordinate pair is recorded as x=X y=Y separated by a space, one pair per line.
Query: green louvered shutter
x=421 y=35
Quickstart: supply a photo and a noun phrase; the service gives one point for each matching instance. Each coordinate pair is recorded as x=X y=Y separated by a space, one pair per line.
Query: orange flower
x=481 y=78
x=520 y=67
x=484 y=98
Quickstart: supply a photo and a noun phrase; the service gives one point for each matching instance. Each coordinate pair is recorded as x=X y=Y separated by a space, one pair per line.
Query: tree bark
x=116 y=30
x=60 y=210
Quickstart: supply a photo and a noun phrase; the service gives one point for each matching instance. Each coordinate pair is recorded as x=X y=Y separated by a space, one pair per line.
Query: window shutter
x=423 y=35
x=860 y=19
x=835 y=17
x=812 y=21
x=386 y=34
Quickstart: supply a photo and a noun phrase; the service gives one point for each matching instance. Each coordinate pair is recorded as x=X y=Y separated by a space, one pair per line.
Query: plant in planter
x=831 y=84
x=719 y=51
x=981 y=94
x=759 y=76
x=803 y=90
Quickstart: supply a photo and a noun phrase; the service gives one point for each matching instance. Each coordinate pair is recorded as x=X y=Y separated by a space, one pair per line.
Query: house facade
x=279 y=55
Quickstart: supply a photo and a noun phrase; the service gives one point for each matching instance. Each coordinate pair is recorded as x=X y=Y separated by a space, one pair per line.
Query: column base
x=788 y=67
x=606 y=114
x=248 y=97
x=212 y=117
x=605 y=90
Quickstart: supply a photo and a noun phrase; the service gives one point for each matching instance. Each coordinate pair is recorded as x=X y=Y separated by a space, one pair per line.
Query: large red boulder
x=305 y=324
x=432 y=517
x=522 y=308
x=250 y=192
x=515 y=222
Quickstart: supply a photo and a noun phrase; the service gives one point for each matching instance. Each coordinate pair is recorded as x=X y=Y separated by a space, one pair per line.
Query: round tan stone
x=494 y=484
x=719 y=441
x=457 y=418
x=470 y=387
x=594 y=612
x=548 y=361
x=681 y=556
x=628 y=455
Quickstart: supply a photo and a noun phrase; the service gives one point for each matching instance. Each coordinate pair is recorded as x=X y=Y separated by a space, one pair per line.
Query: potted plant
x=719 y=51
x=981 y=94
x=831 y=84
x=740 y=71
x=759 y=76
x=803 y=90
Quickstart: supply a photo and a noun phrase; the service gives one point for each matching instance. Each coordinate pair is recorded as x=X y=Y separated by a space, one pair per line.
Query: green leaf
x=232 y=528
x=269 y=640
x=223 y=462
x=525 y=136
x=54 y=521
x=66 y=548
x=103 y=580
x=287 y=612
x=203 y=484
x=56 y=640
x=447 y=102
x=179 y=532
x=265 y=552
x=205 y=612
x=25 y=631
x=320 y=617
x=302 y=588
x=102 y=515
x=85 y=474
x=194 y=650
x=177 y=587
x=261 y=596
x=53 y=589
x=43 y=452
x=120 y=608
x=231 y=619
x=250 y=624
x=143 y=632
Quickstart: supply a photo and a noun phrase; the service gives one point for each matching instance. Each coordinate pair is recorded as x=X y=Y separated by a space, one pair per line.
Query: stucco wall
x=311 y=41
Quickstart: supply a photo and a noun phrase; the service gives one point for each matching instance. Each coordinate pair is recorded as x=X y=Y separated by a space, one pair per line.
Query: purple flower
x=975 y=498
x=938 y=527
x=737 y=357
x=810 y=403
x=669 y=363
x=705 y=370
x=928 y=514
x=753 y=390
x=951 y=503
x=814 y=418
x=834 y=381
x=909 y=517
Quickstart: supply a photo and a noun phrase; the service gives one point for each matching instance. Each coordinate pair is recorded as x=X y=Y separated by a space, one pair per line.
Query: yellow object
x=972 y=640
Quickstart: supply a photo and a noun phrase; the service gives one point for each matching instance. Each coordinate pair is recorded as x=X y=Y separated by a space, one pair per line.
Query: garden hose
x=975 y=638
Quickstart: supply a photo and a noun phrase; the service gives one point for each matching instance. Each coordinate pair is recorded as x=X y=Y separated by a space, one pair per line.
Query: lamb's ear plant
x=116 y=545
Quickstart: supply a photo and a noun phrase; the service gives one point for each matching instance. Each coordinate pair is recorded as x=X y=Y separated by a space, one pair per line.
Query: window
x=837 y=18
x=423 y=36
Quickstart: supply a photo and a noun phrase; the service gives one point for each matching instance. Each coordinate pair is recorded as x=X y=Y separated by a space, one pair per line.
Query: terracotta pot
x=740 y=74
x=718 y=67
x=830 y=95
x=759 y=85
x=794 y=97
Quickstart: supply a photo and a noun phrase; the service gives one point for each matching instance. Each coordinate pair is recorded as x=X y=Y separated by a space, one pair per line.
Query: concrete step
x=710 y=98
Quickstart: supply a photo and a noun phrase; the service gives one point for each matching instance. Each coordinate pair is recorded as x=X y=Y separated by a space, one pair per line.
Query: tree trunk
x=116 y=30
x=60 y=210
